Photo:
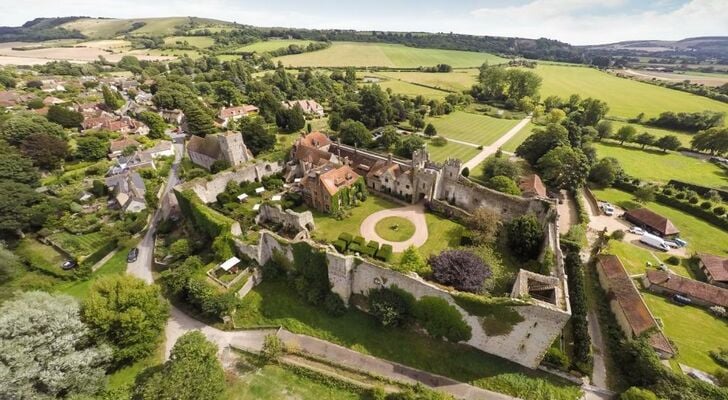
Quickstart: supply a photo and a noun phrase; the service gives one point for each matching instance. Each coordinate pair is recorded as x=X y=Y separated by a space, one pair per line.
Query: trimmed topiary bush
x=693 y=199
x=340 y=246
x=355 y=248
x=360 y=241
x=720 y=210
x=680 y=196
x=345 y=236
x=706 y=205
x=384 y=253
x=618 y=234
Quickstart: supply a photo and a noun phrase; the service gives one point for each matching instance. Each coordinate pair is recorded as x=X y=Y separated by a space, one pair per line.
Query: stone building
x=226 y=115
x=228 y=146
x=330 y=187
x=309 y=107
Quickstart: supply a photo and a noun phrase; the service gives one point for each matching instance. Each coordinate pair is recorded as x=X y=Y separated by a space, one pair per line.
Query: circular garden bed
x=395 y=229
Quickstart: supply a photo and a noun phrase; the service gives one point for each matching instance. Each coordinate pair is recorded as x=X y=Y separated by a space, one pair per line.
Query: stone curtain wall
x=290 y=219
x=526 y=344
x=207 y=190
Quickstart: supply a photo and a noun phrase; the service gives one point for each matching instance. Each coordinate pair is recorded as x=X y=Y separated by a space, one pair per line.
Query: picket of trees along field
x=270 y=45
x=342 y=54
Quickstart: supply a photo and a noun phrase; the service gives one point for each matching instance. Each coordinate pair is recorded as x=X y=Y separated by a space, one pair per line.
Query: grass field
x=201 y=42
x=684 y=138
x=270 y=45
x=193 y=54
x=456 y=81
x=342 y=54
x=471 y=128
x=115 y=266
x=452 y=150
x=701 y=236
x=694 y=330
x=42 y=256
x=634 y=258
x=626 y=98
x=272 y=382
x=664 y=166
x=521 y=136
x=274 y=303
x=79 y=245
x=409 y=89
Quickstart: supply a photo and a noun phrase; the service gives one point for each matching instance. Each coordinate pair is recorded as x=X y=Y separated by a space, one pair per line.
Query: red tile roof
x=691 y=288
x=716 y=266
x=652 y=220
x=315 y=139
x=121 y=144
x=243 y=110
x=532 y=185
x=635 y=310
x=337 y=178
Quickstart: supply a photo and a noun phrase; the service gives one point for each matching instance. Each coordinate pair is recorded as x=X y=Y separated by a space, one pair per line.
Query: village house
x=143 y=97
x=87 y=108
x=228 y=147
x=309 y=107
x=715 y=269
x=652 y=222
x=172 y=116
x=235 y=113
x=628 y=307
x=532 y=186
x=116 y=147
x=699 y=293
x=127 y=190
x=164 y=148
x=330 y=187
x=136 y=160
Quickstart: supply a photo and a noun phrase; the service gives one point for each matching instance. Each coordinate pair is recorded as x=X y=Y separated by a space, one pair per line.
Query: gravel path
x=414 y=213
x=492 y=148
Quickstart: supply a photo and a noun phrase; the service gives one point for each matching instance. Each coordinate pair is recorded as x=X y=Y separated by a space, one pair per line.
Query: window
x=407 y=186
x=386 y=180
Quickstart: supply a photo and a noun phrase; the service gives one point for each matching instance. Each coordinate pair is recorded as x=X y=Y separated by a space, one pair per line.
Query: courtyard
x=399 y=227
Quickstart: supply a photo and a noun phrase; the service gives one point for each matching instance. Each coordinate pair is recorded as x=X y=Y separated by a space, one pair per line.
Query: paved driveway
x=414 y=213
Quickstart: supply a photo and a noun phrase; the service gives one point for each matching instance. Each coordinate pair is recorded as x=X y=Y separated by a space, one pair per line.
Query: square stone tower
x=233 y=149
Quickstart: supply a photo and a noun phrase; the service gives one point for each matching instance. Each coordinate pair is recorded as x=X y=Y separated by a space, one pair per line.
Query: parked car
x=672 y=244
x=608 y=209
x=69 y=264
x=680 y=242
x=637 y=230
x=132 y=256
x=681 y=300
x=654 y=241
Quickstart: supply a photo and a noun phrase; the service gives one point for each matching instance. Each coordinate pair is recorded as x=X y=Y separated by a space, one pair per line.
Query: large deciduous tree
x=46 y=151
x=605 y=172
x=256 y=135
x=524 y=236
x=15 y=167
x=192 y=372
x=564 y=167
x=155 y=122
x=21 y=125
x=112 y=99
x=46 y=352
x=460 y=269
x=541 y=142
x=91 y=148
x=64 y=117
x=355 y=133
x=16 y=202
x=668 y=142
x=126 y=313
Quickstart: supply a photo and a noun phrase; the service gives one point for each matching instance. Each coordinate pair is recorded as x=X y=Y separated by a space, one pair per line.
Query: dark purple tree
x=460 y=269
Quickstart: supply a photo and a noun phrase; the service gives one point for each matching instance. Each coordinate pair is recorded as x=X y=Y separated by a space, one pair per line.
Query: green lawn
x=342 y=54
x=79 y=245
x=42 y=256
x=409 y=89
x=272 y=382
x=460 y=151
x=471 y=128
x=270 y=45
x=684 y=138
x=519 y=138
x=694 y=330
x=656 y=166
x=443 y=233
x=626 y=98
x=395 y=229
x=701 y=236
x=201 y=42
x=274 y=303
x=634 y=258
x=115 y=266
x=456 y=81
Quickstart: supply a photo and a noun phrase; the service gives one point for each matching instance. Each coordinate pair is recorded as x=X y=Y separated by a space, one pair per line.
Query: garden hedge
x=384 y=253
x=346 y=236
x=340 y=246
x=360 y=241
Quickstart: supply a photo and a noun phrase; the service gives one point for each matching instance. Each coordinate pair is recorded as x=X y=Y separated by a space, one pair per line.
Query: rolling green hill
x=108 y=27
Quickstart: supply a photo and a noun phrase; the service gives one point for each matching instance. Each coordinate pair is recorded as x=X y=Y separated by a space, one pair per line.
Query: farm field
x=167 y=54
x=201 y=42
x=626 y=98
x=707 y=79
x=700 y=235
x=409 y=89
x=471 y=128
x=456 y=81
x=270 y=45
x=684 y=137
x=274 y=303
x=452 y=150
x=519 y=138
x=663 y=166
x=694 y=330
x=385 y=55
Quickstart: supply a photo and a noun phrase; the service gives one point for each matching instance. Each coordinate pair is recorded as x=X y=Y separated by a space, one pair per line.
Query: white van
x=654 y=241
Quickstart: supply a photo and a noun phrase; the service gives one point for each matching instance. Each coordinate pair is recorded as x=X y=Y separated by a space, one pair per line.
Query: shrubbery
x=441 y=320
x=525 y=236
x=390 y=307
x=460 y=269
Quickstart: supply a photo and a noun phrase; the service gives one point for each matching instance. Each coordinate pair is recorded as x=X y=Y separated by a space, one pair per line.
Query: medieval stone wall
x=526 y=344
x=290 y=219
x=207 y=190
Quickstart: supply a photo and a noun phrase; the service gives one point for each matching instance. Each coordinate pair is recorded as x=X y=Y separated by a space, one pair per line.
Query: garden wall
x=207 y=190
x=525 y=343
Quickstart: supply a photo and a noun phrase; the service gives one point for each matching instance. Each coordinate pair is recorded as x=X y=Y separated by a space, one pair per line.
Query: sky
x=573 y=21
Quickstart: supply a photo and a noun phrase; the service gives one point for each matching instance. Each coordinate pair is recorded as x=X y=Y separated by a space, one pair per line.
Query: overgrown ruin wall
x=207 y=190
x=525 y=344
